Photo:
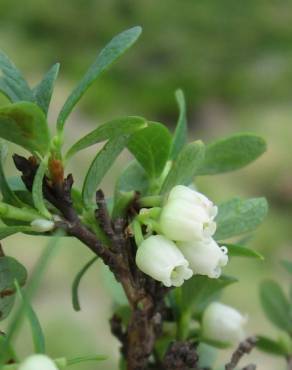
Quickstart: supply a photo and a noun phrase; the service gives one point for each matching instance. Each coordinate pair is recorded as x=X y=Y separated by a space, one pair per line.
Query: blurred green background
x=233 y=59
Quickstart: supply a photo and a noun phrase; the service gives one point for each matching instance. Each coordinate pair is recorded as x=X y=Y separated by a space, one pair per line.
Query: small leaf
x=44 y=90
x=151 y=146
x=12 y=83
x=10 y=270
x=200 y=290
x=37 y=190
x=270 y=346
x=276 y=305
x=238 y=216
x=180 y=134
x=30 y=290
x=36 y=329
x=10 y=230
x=100 y=165
x=25 y=124
x=185 y=166
x=8 y=195
x=112 y=51
x=76 y=283
x=133 y=178
x=108 y=130
x=78 y=360
x=235 y=250
x=232 y=153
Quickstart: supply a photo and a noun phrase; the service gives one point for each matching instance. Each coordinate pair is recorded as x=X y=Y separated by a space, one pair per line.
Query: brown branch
x=249 y=367
x=289 y=362
x=244 y=348
x=181 y=356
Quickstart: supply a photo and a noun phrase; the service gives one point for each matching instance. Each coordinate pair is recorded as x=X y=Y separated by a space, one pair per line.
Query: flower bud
x=205 y=257
x=187 y=215
x=38 y=362
x=161 y=259
x=223 y=324
x=42 y=225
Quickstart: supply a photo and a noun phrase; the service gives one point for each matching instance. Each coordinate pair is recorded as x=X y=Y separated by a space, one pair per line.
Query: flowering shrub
x=164 y=242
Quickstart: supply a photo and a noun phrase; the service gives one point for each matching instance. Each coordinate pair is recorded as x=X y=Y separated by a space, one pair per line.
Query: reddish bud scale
x=56 y=170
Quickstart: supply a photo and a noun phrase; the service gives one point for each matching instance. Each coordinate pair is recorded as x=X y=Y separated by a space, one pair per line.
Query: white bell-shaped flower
x=223 y=324
x=38 y=362
x=42 y=225
x=161 y=259
x=187 y=215
x=205 y=257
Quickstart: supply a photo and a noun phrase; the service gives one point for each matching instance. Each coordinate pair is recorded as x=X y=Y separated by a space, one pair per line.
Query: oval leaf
x=151 y=146
x=270 y=346
x=44 y=90
x=199 y=291
x=36 y=329
x=109 y=130
x=12 y=83
x=238 y=216
x=235 y=250
x=180 y=134
x=232 y=153
x=185 y=166
x=112 y=51
x=276 y=305
x=10 y=230
x=25 y=124
x=100 y=165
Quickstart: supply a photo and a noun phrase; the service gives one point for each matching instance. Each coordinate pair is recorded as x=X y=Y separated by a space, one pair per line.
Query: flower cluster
x=184 y=245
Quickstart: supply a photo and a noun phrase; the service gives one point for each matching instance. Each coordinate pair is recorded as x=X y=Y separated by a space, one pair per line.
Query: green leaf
x=25 y=124
x=108 y=130
x=232 y=153
x=37 y=190
x=185 y=166
x=270 y=346
x=100 y=165
x=8 y=195
x=30 y=290
x=78 y=360
x=112 y=51
x=276 y=305
x=10 y=230
x=151 y=146
x=133 y=178
x=180 y=134
x=238 y=216
x=36 y=329
x=10 y=270
x=287 y=265
x=76 y=283
x=235 y=250
x=12 y=83
x=9 y=354
x=199 y=291
x=44 y=90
